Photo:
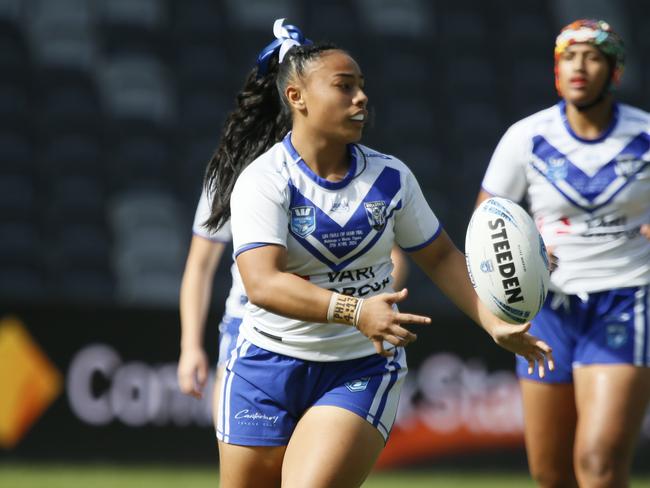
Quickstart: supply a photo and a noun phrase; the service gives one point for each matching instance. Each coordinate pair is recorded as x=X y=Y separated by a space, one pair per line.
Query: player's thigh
x=611 y=401
x=549 y=423
x=331 y=447
x=250 y=466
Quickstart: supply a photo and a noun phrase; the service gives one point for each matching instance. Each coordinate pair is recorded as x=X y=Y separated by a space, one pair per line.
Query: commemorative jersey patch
x=303 y=220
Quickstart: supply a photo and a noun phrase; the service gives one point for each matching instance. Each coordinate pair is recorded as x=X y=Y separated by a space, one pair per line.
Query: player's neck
x=590 y=123
x=327 y=160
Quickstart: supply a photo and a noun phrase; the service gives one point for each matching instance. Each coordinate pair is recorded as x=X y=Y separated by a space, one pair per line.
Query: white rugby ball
x=507 y=260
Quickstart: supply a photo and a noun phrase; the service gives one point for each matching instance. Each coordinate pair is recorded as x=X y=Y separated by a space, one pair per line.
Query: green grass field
x=107 y=476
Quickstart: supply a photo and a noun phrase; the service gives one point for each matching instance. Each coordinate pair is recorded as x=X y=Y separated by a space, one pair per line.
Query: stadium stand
x=110 y=109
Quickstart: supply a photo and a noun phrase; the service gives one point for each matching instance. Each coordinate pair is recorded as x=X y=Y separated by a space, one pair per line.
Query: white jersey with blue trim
x=589 y=198
x=237 y=298
x=338 y=236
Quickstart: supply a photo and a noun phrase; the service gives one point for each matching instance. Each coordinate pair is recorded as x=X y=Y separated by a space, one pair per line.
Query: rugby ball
x=507 y=260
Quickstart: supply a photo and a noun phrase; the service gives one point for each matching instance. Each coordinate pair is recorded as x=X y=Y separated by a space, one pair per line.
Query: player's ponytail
x=254 y=126
x=261 y=117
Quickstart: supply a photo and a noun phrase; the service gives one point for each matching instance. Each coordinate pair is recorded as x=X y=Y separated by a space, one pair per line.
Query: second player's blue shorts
x=228 y=332
x=608 y=327
x=264 y=394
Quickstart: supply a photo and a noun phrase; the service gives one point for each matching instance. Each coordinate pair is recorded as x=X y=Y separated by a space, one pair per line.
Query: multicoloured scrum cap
x=596 y=32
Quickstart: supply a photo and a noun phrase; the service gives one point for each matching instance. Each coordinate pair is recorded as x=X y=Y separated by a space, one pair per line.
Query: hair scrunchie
x=286 y=36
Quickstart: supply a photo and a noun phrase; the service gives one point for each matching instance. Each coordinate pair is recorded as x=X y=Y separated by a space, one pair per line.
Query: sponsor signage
x=90 y=384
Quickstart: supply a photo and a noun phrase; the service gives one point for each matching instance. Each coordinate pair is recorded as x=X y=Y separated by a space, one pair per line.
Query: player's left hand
x=192 y=371
x=645 y=231
x=516 y=339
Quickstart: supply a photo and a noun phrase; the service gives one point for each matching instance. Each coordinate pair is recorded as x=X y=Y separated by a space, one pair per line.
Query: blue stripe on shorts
x=228 y=333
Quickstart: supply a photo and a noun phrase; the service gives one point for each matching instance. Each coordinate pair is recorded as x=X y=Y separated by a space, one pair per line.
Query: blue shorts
x=264 y=394
x=228 y=332
x=608 y=327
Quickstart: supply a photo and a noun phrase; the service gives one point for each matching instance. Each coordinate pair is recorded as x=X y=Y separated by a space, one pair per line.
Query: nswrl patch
x=303 y=220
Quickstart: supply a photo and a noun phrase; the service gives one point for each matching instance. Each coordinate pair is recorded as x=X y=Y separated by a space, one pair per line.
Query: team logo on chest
x=376 y=213
x=557 y=169
x=303 y=220
x=626 y=165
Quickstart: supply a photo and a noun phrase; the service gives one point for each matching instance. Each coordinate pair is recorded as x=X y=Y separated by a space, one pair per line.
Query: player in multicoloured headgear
x=583 y=167
x=599 y=34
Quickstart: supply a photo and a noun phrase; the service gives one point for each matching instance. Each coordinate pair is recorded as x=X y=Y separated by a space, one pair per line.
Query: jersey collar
x=330 y=185
x=601 y=137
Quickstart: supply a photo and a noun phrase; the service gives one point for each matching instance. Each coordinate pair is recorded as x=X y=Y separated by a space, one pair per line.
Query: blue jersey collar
x=601 y=137
x=330 y=185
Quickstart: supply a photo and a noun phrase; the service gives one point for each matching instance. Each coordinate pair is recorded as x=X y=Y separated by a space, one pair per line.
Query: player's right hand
x=193 y=371
x=552 y=258
x=516 y=339
x=645 y=231
x=380 y=322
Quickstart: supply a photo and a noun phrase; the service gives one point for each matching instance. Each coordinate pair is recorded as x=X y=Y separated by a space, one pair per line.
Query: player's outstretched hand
x=552 y=258
x=192 y=371
x=515 y=338
x=380 y=322
x=645 y=231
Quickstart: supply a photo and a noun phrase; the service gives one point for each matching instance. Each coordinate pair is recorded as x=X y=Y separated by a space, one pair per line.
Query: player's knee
x=601 y=467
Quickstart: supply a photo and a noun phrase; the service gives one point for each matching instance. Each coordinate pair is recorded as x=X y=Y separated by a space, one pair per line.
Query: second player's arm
x=196 y=292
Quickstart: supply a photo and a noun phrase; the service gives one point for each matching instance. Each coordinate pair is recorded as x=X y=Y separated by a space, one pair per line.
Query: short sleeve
x=202 y=214
x=259 y=214
x=416 y=225
x=506 y=173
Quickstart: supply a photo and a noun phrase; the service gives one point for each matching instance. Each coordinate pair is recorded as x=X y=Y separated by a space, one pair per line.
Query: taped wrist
x=344 y=309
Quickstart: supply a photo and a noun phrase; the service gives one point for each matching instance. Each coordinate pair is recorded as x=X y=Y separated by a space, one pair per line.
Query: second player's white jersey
x=338 y=236
x=588 y=197
x=237 y=297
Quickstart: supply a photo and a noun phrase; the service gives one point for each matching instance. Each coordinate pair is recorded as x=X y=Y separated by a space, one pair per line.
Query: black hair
x=262 y=118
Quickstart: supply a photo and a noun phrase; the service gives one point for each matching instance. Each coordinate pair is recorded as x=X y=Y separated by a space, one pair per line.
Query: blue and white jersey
x=237 y=297
x=588 y=197
x=338 y=236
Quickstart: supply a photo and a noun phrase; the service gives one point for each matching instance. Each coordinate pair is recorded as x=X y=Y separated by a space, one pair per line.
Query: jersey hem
x=262 y=341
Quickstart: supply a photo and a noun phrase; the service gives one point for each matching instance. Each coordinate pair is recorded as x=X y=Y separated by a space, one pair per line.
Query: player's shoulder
x=634 y=115
x=269 y=167
x=536 y=122
x=374 y=157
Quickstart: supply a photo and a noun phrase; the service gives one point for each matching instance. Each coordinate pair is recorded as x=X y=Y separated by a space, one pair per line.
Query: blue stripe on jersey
x=559 y=167
x=356 y=229
x=332 y=185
